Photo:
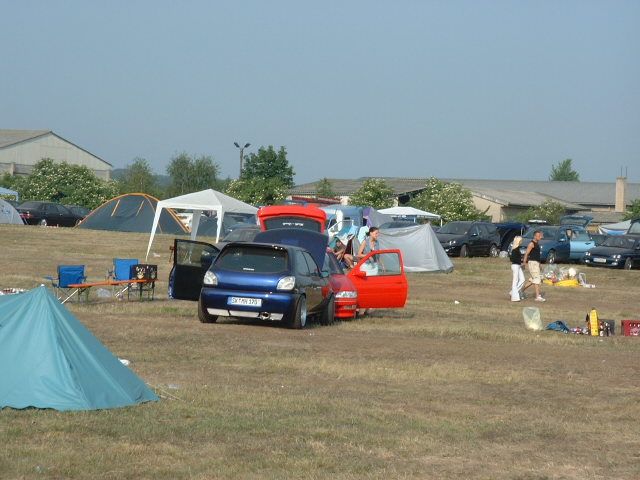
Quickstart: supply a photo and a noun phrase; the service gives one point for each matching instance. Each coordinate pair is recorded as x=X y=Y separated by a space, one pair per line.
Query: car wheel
x=494 y=251
x=464 y=251
x=203 y=315
x=42 y=223
x=551 y=257
x=299 y=319
x=628 y=264
x=329 y=313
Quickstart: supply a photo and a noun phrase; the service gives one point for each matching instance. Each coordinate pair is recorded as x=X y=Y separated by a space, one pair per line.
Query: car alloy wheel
x=43 y=223
x=299 y=319
x=464 y=251
x=628 y=264
x=551 y=257
x=493 y=251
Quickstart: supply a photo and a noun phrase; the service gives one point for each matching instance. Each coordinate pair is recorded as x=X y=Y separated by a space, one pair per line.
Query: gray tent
x=421 y=250
x=8 y=214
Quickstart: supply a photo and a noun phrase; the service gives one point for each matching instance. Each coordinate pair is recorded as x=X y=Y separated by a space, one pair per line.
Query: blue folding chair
x=68 y=275
x=121 y=272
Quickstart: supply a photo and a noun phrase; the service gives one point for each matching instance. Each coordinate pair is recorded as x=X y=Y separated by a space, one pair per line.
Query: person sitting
x=340 y=251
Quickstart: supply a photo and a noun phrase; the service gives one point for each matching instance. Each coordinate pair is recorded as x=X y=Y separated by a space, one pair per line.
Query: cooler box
x=630 y=328
x=143 y=271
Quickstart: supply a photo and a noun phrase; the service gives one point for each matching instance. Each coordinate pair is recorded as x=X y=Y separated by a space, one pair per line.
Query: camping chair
x=69 y=275
x=121 y=272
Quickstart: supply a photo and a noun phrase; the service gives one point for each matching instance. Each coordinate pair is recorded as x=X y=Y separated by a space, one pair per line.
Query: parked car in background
x=634 y=227
x=560 y=243
x=47 y=213
x=306 y=217
x=79 y=210
x=468 y=238
x=598 y=238
x=617 y=251
x=508 y=231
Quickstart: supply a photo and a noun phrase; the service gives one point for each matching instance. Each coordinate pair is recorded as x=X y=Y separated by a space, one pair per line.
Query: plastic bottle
x=593 y=322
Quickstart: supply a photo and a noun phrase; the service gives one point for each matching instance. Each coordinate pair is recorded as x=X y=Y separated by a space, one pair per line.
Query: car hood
x=445 y=237
x=313 y=242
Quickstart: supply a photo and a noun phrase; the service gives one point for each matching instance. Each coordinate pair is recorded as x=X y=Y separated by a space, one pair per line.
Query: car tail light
x=286 y=283
x=210 y=279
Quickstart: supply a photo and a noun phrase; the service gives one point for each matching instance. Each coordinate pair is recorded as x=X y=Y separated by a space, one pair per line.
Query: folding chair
x=69 y=275
x=121 y=272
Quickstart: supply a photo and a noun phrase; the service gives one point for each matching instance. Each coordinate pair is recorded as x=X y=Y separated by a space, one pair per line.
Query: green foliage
x=64 y=183
x=268 y=164
x=266 y=178
x=633 y=211
x=375 y=193
x=549 y=210
x=258 y=191
x=564 y=172
x=324 y=188
x=191 y=174
x=451 y=201
x=138 y=178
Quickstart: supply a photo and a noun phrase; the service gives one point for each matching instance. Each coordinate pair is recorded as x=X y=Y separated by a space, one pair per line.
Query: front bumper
x=604 y=262
x=346 y=307
x=451 y=249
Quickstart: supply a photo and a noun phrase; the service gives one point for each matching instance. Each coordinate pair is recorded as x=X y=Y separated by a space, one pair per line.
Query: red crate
x=631 y=328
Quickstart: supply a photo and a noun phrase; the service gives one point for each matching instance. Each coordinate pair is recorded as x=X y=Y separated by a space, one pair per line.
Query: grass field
x=436 y=390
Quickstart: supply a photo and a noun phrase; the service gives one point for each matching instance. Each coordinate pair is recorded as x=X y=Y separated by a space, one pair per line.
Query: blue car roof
x=313 y=242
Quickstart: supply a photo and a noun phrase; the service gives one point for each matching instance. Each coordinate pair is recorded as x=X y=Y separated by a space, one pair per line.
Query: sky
x=406 y=88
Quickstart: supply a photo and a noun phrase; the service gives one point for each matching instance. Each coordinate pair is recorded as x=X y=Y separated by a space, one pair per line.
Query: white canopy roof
x=198 y=202
x=408 y=211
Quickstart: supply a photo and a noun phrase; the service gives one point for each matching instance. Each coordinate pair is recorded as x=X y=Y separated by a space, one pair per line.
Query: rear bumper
x=274 y=305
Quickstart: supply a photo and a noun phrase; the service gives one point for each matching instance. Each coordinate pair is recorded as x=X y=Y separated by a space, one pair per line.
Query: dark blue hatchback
x=268 y=281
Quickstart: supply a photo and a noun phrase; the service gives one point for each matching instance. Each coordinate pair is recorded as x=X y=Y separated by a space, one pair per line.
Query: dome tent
x=8 y=214
x=132 y=212
x=51 y=360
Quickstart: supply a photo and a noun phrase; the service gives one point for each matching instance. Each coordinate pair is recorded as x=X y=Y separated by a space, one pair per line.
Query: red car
x=376 y=281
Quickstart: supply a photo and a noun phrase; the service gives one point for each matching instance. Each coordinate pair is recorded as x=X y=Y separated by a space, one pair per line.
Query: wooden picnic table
x=141 y=283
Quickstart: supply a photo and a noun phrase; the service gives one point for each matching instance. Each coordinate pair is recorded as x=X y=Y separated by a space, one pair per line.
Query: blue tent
x=50 y=360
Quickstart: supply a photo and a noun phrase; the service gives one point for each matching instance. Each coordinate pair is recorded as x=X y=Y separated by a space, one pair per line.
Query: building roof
x=507 y=192
x=9 y=138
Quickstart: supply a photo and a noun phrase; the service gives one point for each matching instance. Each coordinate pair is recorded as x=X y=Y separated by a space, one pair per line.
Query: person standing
x=370 y=242
x=532 y=262
x=517 y=281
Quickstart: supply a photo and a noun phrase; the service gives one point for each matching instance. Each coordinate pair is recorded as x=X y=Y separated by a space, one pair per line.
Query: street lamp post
x=246 y=145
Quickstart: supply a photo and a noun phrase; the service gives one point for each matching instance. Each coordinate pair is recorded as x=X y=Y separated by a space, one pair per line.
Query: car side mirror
x=563 y=239
x=358 y=273
x=324 y=274
x=474 y=234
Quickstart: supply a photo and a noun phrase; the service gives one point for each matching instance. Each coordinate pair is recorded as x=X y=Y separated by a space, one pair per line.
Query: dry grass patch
x=437 y=390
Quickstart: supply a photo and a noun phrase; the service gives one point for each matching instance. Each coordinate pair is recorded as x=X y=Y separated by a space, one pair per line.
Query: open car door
x=380 y=280
x=191 y=260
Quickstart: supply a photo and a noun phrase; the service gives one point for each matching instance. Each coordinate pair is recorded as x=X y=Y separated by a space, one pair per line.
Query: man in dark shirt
x=532 y=262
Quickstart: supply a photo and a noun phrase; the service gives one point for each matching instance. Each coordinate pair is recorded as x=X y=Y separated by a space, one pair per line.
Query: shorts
x=534 y=272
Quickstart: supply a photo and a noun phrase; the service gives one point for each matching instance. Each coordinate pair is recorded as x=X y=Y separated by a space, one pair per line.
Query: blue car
x=560 y=243
x=276 y=277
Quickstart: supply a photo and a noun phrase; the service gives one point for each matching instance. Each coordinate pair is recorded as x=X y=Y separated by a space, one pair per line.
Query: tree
x=451 y=201
x=324 y=188
x=265 y=179
x=633 y=211
x=138 y=177
x=549 y=210
x=190 y=174
x=64 y=183
x=564 y=172
x=268 y=163
x=375 y=193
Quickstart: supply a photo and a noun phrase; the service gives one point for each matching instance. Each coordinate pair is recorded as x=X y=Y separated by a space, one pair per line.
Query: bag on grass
x=532 y=318
x=558 y=326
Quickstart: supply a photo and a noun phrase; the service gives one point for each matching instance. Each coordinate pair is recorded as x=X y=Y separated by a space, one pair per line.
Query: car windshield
x=241 y=235
x=331 y=265
x=581 y=236
x=241 y=258
x=619 y=242
x=454 y=228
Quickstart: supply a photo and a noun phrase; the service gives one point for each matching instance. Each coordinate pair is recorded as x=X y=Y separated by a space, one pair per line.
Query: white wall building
x=20 y=150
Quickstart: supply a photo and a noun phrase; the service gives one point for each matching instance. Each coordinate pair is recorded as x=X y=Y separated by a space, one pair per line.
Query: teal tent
x=50 y=360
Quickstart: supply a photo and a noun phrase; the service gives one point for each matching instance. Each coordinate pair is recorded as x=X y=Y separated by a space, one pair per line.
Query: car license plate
x=600 y=260
x=249 y=302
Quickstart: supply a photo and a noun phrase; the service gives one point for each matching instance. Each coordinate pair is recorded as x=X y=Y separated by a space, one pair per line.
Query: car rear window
x=292 y=222
x=243 y=258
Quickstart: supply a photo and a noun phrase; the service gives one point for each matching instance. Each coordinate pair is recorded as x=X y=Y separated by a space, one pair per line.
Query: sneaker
x=540 y=299
x=515 y=300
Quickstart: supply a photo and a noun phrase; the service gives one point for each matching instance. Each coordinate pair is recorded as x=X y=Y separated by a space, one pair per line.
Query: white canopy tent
x=409 y=212
x=198 y=202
